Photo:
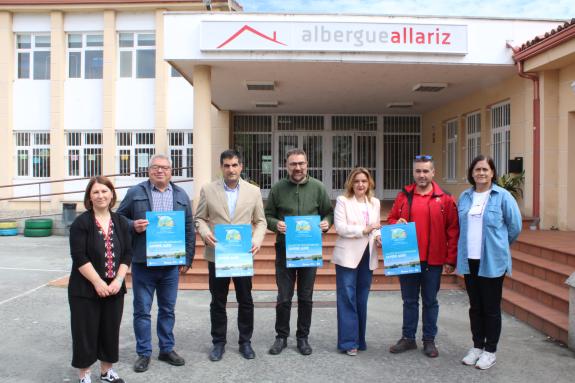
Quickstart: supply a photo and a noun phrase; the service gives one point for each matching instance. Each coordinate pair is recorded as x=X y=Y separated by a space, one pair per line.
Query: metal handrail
x=40 y=183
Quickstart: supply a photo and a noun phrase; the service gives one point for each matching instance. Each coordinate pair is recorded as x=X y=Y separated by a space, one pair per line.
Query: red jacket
x=444 y=223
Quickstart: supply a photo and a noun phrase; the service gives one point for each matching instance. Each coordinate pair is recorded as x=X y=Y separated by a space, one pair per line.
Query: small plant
x=513 y=183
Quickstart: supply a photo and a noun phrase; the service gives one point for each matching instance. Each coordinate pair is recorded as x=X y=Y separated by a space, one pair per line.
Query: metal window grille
x=33 y=154
x=401 y=143
x=451 y=149
x=473 y=136
x=353 y=149
x=137 y=52
x=501 y=136
x=253 y=139
x=84 y=154
x=133 y=152
x=304 y=123
x=85 y=55
x=33 y=56
x=180 y=148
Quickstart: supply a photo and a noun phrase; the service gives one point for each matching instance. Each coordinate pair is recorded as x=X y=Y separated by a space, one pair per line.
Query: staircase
x=536 y=292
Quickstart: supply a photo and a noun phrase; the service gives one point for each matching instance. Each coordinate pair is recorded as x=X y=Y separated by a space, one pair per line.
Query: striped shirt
x=162 y=201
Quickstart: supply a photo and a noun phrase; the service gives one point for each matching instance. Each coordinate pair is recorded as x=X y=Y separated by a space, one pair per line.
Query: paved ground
x=36 y=344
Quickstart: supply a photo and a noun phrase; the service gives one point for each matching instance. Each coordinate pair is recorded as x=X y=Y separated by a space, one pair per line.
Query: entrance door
x=349 y=151
x=311 y=143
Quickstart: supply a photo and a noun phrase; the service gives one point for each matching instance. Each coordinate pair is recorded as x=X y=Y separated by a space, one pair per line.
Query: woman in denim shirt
x=489 y=221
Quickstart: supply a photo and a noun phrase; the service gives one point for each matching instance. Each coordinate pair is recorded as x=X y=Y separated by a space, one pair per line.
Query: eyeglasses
x=423 y=157
x=296 y=164
x=155 y=168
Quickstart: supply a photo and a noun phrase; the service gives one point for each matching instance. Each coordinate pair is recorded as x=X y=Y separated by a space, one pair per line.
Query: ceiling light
x=405 y=104
x=429 y=86
x=260 y=85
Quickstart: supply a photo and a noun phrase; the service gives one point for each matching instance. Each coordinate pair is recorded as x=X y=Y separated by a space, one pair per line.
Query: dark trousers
x=95 y=327
x=285 y=281
x=219 y=288
x=427 y=282
x=352 y=292
x=485 y=307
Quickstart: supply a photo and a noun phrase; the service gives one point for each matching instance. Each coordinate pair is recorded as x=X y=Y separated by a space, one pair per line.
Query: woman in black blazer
x=101 y=252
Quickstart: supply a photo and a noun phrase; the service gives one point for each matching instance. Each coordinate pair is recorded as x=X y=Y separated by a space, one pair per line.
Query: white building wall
x=135 y=104
x=31 y=105
x=84 y=22
x=83 y=105
x=180 y=104
x=31 y=22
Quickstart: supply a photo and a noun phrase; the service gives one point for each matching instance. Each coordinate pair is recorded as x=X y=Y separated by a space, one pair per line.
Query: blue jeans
x=352 y=292
x=428 y=282
x=164 y=282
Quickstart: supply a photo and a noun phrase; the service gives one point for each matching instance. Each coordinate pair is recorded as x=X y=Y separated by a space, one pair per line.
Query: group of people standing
x=474 y=236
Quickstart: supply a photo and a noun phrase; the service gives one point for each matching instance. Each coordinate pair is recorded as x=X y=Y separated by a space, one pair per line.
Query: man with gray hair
x=157 y=193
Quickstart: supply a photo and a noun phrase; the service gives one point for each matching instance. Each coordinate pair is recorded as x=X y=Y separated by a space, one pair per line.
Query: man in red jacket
x=435 y=215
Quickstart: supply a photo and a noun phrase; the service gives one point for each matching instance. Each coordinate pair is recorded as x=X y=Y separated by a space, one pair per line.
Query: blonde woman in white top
x=357 y=222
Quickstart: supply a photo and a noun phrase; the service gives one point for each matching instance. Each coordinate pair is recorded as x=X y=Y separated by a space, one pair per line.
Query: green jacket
x=287 y=198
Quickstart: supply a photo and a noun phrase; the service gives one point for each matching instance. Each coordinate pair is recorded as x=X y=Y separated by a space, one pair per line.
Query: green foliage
x=513 y=183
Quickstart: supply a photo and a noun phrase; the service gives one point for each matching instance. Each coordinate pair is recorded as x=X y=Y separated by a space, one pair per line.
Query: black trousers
x=485 y=307
x=285 y=281
x=95 y=329
x=219 y=288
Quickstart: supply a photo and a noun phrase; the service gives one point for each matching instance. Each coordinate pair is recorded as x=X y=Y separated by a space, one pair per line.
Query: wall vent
x=266 y=104
x=406 y=104
x=429 y=87
x=260 y=85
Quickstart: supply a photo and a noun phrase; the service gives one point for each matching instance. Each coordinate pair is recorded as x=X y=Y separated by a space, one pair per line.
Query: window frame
x=83 y=148
x=32 y=52
x=31 y=148
x=473 y=136
x=187 y=156
x=82 y=50
x=134 y=50
x=127 y=144
x=451 y=130
x=501 y=128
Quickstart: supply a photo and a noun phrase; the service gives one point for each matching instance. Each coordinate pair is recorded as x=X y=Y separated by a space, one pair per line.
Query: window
x=137 y=55
x=85 y=56
x=32 y=154
x=181 y=151
x=33 y=56
x=174 y=72
x=253 y=139
x=451 y=150
x=473 y=136
x=500 y=136
x=133 y=152
x=84 y=154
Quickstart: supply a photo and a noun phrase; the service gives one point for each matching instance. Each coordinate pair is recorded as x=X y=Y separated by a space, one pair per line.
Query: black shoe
x=217 y=352
x=278 y=346
x=172 y=358
x=429 y=349
x=142 y=363
x=247 y=351
x=403 y=345
x=303 y=346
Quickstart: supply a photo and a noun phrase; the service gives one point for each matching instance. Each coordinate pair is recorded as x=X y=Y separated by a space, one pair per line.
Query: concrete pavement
x=36 y=343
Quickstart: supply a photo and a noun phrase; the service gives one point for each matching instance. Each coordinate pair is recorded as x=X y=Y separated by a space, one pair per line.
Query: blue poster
x=165 y=238
x=400 y=251
x=233 y=251
x=303 y=241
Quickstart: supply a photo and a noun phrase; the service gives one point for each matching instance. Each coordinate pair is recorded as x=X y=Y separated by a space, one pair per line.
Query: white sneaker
x=111 y=376
x=472 y=356
x=486 y=360
x=86 y=378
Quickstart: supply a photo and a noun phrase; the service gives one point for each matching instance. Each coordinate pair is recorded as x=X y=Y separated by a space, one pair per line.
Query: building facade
x=92 y=88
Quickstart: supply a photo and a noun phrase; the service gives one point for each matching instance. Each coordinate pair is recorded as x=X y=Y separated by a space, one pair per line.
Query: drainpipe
x=536 y=134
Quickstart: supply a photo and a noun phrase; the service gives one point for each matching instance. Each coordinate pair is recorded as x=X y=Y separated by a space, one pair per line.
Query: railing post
x=39 y=198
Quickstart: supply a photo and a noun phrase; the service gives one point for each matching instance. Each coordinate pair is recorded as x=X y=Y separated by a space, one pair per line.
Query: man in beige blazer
x=230 y=200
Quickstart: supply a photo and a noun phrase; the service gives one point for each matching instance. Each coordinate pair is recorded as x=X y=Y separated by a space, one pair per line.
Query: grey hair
x=160 y=156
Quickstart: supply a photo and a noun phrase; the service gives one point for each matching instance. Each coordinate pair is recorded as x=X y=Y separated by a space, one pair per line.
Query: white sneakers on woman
x=479 y=358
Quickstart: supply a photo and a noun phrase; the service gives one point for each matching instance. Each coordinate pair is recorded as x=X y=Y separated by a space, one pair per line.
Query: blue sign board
x=303 y=241
x=233 y=251
x=400 y=251
x=165 y=238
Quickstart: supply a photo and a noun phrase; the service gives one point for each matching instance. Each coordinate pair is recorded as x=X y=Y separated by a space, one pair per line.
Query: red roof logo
x=247 y=28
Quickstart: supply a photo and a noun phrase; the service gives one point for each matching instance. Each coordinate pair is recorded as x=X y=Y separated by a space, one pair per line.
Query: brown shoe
x=403 y=345
x=429 y=349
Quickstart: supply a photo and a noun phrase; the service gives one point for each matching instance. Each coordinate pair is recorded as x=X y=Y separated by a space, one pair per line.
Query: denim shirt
x=501 y=226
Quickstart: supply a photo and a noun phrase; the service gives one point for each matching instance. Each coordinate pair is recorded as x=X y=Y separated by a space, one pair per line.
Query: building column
x=109 y=94
x=161 y=83
x=7 y=154
x=203 y=156
x=57 y=77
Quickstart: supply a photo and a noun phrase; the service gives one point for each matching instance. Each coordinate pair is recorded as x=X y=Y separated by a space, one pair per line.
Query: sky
x=537 y=9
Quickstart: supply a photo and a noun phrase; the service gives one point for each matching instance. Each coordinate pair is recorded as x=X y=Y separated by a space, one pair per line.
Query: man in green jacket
x=299 y=194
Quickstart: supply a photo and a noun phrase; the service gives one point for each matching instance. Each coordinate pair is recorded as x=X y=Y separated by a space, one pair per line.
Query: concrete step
x=540 y=290
x=551 y=322
x=542 y=268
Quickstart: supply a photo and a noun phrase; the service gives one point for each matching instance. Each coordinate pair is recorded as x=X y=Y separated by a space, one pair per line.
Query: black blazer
x=83 y=237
